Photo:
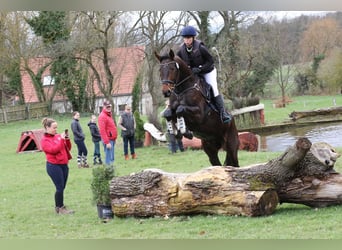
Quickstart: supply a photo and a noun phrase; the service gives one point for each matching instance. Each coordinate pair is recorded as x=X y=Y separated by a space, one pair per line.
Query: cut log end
x=267 y=203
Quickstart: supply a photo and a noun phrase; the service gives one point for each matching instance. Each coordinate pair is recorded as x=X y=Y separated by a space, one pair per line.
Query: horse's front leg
x=182 y=111
x=211 y=149
x=169 y=121
x=192 y=112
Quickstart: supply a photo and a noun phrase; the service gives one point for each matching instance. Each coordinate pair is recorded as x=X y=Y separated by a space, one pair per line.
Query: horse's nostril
x=167 y=93
x=327 y=162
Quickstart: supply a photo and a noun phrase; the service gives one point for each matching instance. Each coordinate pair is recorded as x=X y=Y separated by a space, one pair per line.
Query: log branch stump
x=302 y=174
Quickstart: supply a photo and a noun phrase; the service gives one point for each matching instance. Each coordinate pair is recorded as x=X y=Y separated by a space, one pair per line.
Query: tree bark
x=302 y=174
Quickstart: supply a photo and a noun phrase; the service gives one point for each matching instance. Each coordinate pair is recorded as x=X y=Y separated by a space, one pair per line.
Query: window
x=48 y=80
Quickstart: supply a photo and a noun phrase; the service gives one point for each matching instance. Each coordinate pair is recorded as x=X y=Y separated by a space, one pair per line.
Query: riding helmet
x=188 y=31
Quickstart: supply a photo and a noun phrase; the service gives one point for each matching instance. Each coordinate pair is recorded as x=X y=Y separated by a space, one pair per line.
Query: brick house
x=127 y=62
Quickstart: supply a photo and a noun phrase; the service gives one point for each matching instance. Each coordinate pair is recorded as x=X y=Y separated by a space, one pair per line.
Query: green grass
x=299 y=103
x=27 y=205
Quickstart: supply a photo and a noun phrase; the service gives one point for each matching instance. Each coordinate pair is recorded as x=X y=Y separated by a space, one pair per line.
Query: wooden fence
x=23 y=112
x=251 y=116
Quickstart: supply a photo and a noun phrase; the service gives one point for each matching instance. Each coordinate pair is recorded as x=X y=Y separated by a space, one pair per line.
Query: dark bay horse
x=190 y=108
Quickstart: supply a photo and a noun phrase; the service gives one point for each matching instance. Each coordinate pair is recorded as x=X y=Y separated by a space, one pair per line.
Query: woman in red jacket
x=57 y=151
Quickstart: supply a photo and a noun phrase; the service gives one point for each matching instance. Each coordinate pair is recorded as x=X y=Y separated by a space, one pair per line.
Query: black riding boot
x=225 y=117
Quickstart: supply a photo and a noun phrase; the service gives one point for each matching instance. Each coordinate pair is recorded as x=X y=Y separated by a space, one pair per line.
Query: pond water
x=324 y=132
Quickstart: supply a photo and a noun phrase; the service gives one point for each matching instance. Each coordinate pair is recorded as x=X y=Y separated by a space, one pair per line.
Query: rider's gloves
x=196 y=70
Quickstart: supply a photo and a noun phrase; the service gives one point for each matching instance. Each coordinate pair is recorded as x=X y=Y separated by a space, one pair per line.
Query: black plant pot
x=138 y=144
x=105 y=211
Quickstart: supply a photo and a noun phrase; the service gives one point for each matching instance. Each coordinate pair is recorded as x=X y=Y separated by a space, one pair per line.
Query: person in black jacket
x=128 y=125
x=79 y=138
x=96 y=138
x=199 y=59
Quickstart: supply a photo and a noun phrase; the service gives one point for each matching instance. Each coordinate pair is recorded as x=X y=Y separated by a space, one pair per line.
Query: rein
x=195 y=86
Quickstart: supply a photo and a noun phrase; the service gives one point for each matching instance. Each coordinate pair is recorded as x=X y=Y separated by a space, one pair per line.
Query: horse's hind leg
x=212 y=152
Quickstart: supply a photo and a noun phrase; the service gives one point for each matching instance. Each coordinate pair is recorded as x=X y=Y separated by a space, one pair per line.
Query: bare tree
x=19 y=47
x=159 y=30
x=283 y=47
x=320 y=38
x=94 y=37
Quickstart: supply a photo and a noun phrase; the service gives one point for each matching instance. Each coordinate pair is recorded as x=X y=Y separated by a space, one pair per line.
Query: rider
x=198 y=58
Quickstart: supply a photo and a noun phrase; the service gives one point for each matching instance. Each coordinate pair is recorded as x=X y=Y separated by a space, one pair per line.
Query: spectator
x=128 y=126
x=108 y=132
x=96 y=138
x=79 y=138
x=175 y=142
x=57 y=151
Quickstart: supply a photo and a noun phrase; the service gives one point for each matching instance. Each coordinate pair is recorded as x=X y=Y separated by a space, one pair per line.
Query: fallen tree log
x=249 y=191
x=295 y=115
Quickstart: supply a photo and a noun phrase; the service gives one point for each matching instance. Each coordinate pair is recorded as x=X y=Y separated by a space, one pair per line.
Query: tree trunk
x=295 y=115
x=250 y=191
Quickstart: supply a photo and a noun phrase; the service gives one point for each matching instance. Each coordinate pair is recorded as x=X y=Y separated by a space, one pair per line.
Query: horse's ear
x=171 y=54
x=157 y=55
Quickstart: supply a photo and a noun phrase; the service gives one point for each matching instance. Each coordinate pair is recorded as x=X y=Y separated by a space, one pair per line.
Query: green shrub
x=102 y=175
x=139 y=132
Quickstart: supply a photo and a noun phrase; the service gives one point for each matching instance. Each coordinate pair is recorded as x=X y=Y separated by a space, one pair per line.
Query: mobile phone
x=66 y=131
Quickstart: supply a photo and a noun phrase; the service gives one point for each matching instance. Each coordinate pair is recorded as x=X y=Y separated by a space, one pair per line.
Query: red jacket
x=56 y=149
x=108 y=130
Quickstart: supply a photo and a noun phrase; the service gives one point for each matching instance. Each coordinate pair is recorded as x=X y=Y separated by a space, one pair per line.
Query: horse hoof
x=188 y=135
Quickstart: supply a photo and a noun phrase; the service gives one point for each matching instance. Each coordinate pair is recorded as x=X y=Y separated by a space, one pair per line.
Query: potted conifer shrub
x=102 y=175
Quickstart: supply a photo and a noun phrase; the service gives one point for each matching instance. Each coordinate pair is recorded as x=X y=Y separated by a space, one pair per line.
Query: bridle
x=175 y=83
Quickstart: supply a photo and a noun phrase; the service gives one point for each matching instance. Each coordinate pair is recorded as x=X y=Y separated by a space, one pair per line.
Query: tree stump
x=302 y=174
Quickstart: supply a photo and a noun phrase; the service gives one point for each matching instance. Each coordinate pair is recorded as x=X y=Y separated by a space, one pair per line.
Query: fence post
x=5 y=115
x=27 y=112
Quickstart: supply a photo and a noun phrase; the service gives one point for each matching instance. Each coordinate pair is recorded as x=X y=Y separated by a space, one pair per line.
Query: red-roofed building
x=126 y=64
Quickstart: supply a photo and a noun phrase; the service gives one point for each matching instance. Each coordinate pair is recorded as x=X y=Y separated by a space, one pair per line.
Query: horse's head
x=171 y=70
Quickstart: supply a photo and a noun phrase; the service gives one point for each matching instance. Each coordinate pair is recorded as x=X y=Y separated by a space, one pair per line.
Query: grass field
x=27 y=205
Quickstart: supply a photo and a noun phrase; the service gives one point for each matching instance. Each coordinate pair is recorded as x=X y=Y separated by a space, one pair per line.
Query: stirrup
x=225 y=118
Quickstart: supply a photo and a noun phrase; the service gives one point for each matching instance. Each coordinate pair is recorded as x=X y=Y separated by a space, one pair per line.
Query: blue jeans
x=82 y=149
x=109 y=153
x=59 y=175
x=97 y=149
x=130 y=140
x=175 y=143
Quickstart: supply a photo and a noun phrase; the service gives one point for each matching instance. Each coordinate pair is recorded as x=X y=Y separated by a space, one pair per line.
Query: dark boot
x=100 y=161
x=225 y=117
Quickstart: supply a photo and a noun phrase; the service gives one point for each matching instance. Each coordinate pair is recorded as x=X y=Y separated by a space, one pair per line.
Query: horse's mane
x=164 y=57
x=176 y=58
